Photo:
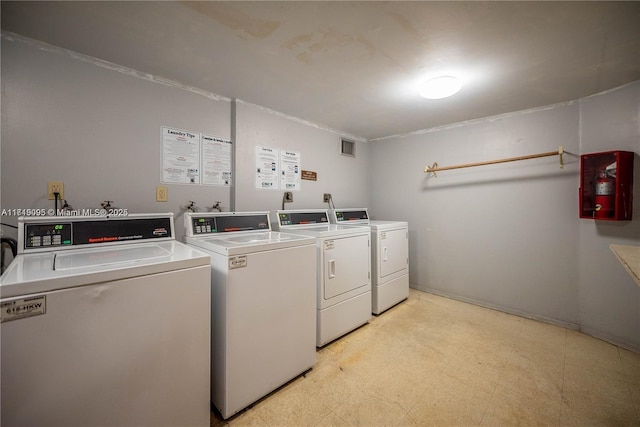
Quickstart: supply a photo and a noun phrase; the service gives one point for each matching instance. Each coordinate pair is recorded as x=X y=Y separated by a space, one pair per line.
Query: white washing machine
x=389 y=255
x=344 y=271
x=105 y=321
x=262 y=297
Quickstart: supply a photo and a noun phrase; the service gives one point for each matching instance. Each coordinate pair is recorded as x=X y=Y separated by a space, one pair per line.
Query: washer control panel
x=227 y=223
x=204 y=225
x=302 y=218
x=48 y=235
x=351 y=215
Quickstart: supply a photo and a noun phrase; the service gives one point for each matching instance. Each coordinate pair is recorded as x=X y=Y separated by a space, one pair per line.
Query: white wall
x=508 y=236
x=69 y=118
x=98 y=130
x=609 y=298
x=346 y=178
x=500 y=235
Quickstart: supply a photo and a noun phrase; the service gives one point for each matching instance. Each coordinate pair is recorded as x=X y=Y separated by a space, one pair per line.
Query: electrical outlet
x=55 y=187
x=162 y=193
x=288 y=197
x=326 y=198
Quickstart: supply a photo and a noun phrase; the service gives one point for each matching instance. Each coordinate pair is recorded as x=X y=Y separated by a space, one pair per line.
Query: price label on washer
x=328 y=244
x=23 y=308
x=237 y=262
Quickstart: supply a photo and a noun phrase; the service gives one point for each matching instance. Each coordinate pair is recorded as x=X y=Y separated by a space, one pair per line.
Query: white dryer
x=389 y=254
x=262 y=298
x=105 y=321
x=344 y=271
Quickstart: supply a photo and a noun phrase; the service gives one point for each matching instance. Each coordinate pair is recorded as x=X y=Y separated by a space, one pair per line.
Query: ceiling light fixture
x=440 y=87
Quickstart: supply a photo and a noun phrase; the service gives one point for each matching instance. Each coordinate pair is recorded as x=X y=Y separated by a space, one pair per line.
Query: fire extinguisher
x=605 y=195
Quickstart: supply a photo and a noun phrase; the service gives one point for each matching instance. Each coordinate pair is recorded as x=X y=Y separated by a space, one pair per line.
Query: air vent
x=347 y=147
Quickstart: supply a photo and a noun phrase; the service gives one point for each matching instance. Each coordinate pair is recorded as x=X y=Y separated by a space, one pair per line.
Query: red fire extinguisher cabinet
x=606 y=185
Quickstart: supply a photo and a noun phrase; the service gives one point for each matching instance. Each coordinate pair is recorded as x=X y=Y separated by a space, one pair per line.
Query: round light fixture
x=440 y=87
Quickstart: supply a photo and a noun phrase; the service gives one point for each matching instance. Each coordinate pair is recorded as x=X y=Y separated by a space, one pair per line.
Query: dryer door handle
x=332 y=268
x=384 y=257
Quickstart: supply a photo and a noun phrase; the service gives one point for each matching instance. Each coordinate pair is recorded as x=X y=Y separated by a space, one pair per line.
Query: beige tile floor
x=436 y=361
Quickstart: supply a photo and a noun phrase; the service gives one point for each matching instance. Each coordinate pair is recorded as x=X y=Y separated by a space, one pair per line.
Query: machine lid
x=39 y=272
x=94 y=257
x=329 y=230
x=387 y=225
x=243 y=243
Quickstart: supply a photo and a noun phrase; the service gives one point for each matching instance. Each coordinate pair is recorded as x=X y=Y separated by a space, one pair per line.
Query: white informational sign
x=290 y=170
x=267 y=174
x=180 y=156
x=216 y=160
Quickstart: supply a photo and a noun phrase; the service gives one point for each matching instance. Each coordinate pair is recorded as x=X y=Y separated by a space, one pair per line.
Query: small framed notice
x=309 y=175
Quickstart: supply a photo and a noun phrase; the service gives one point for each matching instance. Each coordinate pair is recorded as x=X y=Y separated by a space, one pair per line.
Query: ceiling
x=355 y=66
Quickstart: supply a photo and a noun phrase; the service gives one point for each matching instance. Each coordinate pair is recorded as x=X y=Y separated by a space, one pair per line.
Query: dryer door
x=346 y=265
x=393 y=252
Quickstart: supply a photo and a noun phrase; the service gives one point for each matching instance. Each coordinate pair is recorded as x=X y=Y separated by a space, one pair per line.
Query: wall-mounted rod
x=435 y=168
